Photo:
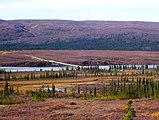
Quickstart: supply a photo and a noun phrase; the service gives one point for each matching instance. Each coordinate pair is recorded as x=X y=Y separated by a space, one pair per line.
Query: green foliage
x=43 y=75
x=130 y=111
x=115 y=42
x=42 y=93
x=11 y=89
x=6 y=101
x=102 y=91
x=94 y=92
x=17 y=92
x=140 y=88
x=105 y=98
x=2 y=71
x=65 y=90
x=37 y=96
x=53 y=90
x=85 y=94
x=6 y=89
x=72 y=94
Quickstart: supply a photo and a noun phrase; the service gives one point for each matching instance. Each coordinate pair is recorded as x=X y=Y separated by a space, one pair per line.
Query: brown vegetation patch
x=62 y=109
x=79 y=57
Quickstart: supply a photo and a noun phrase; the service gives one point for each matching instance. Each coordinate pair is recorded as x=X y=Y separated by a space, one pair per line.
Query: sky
x=117 y=10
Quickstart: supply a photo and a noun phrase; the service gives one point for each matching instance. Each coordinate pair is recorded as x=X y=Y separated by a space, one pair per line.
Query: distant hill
x=63 y=34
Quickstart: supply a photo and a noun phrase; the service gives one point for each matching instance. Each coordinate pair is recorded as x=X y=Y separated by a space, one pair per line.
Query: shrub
x=6 y=101
x=130 y=111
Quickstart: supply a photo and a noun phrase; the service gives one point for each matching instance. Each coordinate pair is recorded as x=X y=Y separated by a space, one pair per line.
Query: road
x=52 y=61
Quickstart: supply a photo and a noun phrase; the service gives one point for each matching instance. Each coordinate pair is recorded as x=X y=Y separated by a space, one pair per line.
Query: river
x=23 y=69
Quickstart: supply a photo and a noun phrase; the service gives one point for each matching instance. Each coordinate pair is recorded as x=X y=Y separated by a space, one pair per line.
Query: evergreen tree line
x=40 y=94
x=43 y=75
x=124 y=88
x=9 y=90
x=73 y=73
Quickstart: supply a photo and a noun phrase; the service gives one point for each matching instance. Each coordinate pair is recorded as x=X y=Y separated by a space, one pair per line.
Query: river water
x=23 y=69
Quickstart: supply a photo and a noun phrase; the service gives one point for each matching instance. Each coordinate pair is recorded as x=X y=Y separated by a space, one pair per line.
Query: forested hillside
x=87 y=35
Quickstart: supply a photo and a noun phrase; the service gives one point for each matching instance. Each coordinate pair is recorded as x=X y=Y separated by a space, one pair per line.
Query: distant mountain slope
x=63 y=34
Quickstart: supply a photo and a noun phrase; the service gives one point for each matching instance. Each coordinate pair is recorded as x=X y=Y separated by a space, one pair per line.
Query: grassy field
x=60 y=83
x=70 y=82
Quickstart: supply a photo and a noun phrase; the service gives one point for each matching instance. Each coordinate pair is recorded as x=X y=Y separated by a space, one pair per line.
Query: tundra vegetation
x=123 y=83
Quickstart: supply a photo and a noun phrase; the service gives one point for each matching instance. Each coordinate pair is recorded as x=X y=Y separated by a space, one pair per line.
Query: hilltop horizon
x=98 y=20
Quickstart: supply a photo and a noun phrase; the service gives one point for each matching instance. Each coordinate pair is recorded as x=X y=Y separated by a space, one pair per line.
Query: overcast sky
x=121 y=10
